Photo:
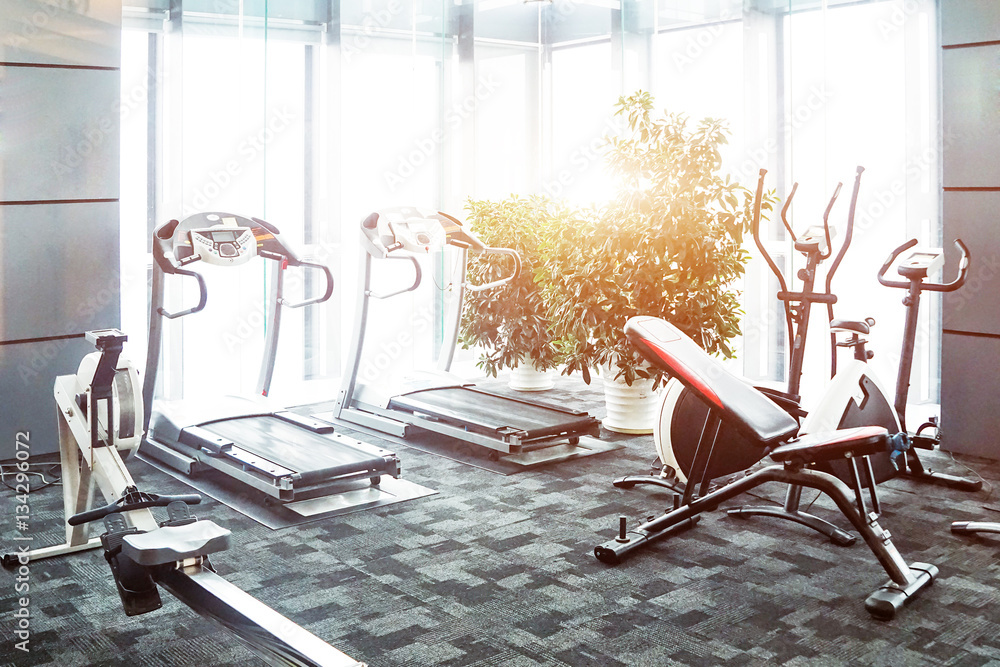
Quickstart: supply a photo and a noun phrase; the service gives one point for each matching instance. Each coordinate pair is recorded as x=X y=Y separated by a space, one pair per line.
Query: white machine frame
x=273 y=637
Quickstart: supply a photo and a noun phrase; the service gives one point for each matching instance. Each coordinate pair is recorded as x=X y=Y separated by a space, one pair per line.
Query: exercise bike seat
x=853 y=326
x=169 y=544
x=816 y=447
x=749 y=411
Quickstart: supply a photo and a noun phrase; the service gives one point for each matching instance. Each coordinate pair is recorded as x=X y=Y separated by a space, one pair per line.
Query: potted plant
x=510 y=324
x=669 y=244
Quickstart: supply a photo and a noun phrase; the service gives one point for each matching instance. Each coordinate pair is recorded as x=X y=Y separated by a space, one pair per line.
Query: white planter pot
x=632 y=409
x=525 y=377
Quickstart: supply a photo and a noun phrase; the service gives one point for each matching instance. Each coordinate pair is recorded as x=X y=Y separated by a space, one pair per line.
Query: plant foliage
x=510 y=323
x=670 y=244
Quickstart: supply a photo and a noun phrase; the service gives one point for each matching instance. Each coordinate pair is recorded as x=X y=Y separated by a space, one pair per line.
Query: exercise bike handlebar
x=132 y=501
x=202 y=297
x=502 y=281
x=963 y=270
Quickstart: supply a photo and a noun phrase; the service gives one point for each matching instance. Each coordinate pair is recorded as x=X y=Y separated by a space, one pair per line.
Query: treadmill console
x=415 y=231
x=921 y=264
x=417 y=235
x=224 y=245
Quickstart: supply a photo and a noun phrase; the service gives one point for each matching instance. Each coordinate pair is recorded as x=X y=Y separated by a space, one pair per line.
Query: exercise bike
x=100 y=422
x=735 y=405
x=916 y=269
x=855 y=396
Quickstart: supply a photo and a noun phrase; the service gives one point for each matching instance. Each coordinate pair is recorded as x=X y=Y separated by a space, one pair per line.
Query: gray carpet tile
x=499 y=570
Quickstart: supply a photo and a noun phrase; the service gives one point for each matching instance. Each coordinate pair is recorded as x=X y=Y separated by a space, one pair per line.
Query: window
x=316 y=116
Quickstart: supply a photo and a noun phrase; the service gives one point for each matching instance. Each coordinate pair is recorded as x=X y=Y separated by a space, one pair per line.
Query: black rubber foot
x=9 y=560
x=651 y=480
x=973 y=527
x=614 y=551
x=941 y=479
x=960 y=527
x=886 y=601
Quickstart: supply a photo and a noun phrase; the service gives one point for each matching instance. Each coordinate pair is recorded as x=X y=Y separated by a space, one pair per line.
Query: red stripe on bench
x=689 y=374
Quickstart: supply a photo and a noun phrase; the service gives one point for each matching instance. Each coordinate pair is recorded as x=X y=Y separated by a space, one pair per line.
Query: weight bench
x=739 y=405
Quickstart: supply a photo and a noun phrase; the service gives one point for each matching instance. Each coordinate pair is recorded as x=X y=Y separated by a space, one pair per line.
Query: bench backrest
x=733 y=400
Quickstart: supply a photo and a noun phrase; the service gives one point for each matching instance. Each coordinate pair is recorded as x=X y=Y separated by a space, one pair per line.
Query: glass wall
x=314 y=113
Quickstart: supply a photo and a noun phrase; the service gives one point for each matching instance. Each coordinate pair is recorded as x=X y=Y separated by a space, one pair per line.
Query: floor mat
x=469 y=453
x=269 y=512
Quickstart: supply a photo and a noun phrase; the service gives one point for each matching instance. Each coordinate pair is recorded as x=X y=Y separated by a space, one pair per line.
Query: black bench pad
x=815 y=447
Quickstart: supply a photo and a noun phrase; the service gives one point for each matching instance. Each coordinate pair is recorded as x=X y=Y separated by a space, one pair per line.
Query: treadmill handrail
x=417 y=277
x=202 y=296
x=327 y=292
x=502 y=281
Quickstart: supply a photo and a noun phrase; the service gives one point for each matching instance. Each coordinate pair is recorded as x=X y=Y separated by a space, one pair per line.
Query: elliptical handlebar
x=502 y=281
x=850 y=228
x=784 y=210
x=963 y=270
x=755 y=229
x=826 y=223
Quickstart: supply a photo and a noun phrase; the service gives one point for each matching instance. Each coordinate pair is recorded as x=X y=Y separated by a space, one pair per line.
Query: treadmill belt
x=294 y=447
x=492 y=412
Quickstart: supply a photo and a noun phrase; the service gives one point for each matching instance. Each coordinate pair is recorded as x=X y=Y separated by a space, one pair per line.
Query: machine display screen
x=922 y=258
x=222 y=237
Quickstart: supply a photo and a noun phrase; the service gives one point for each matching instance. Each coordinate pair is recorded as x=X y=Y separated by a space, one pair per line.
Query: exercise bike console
x=921 y=264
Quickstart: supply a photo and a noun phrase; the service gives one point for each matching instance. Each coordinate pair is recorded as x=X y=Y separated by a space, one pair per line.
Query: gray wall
x=59 y=91
x=970 y=104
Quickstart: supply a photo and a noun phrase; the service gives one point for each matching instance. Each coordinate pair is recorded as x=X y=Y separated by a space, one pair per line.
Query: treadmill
x=285 y=455
x=523 y=432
